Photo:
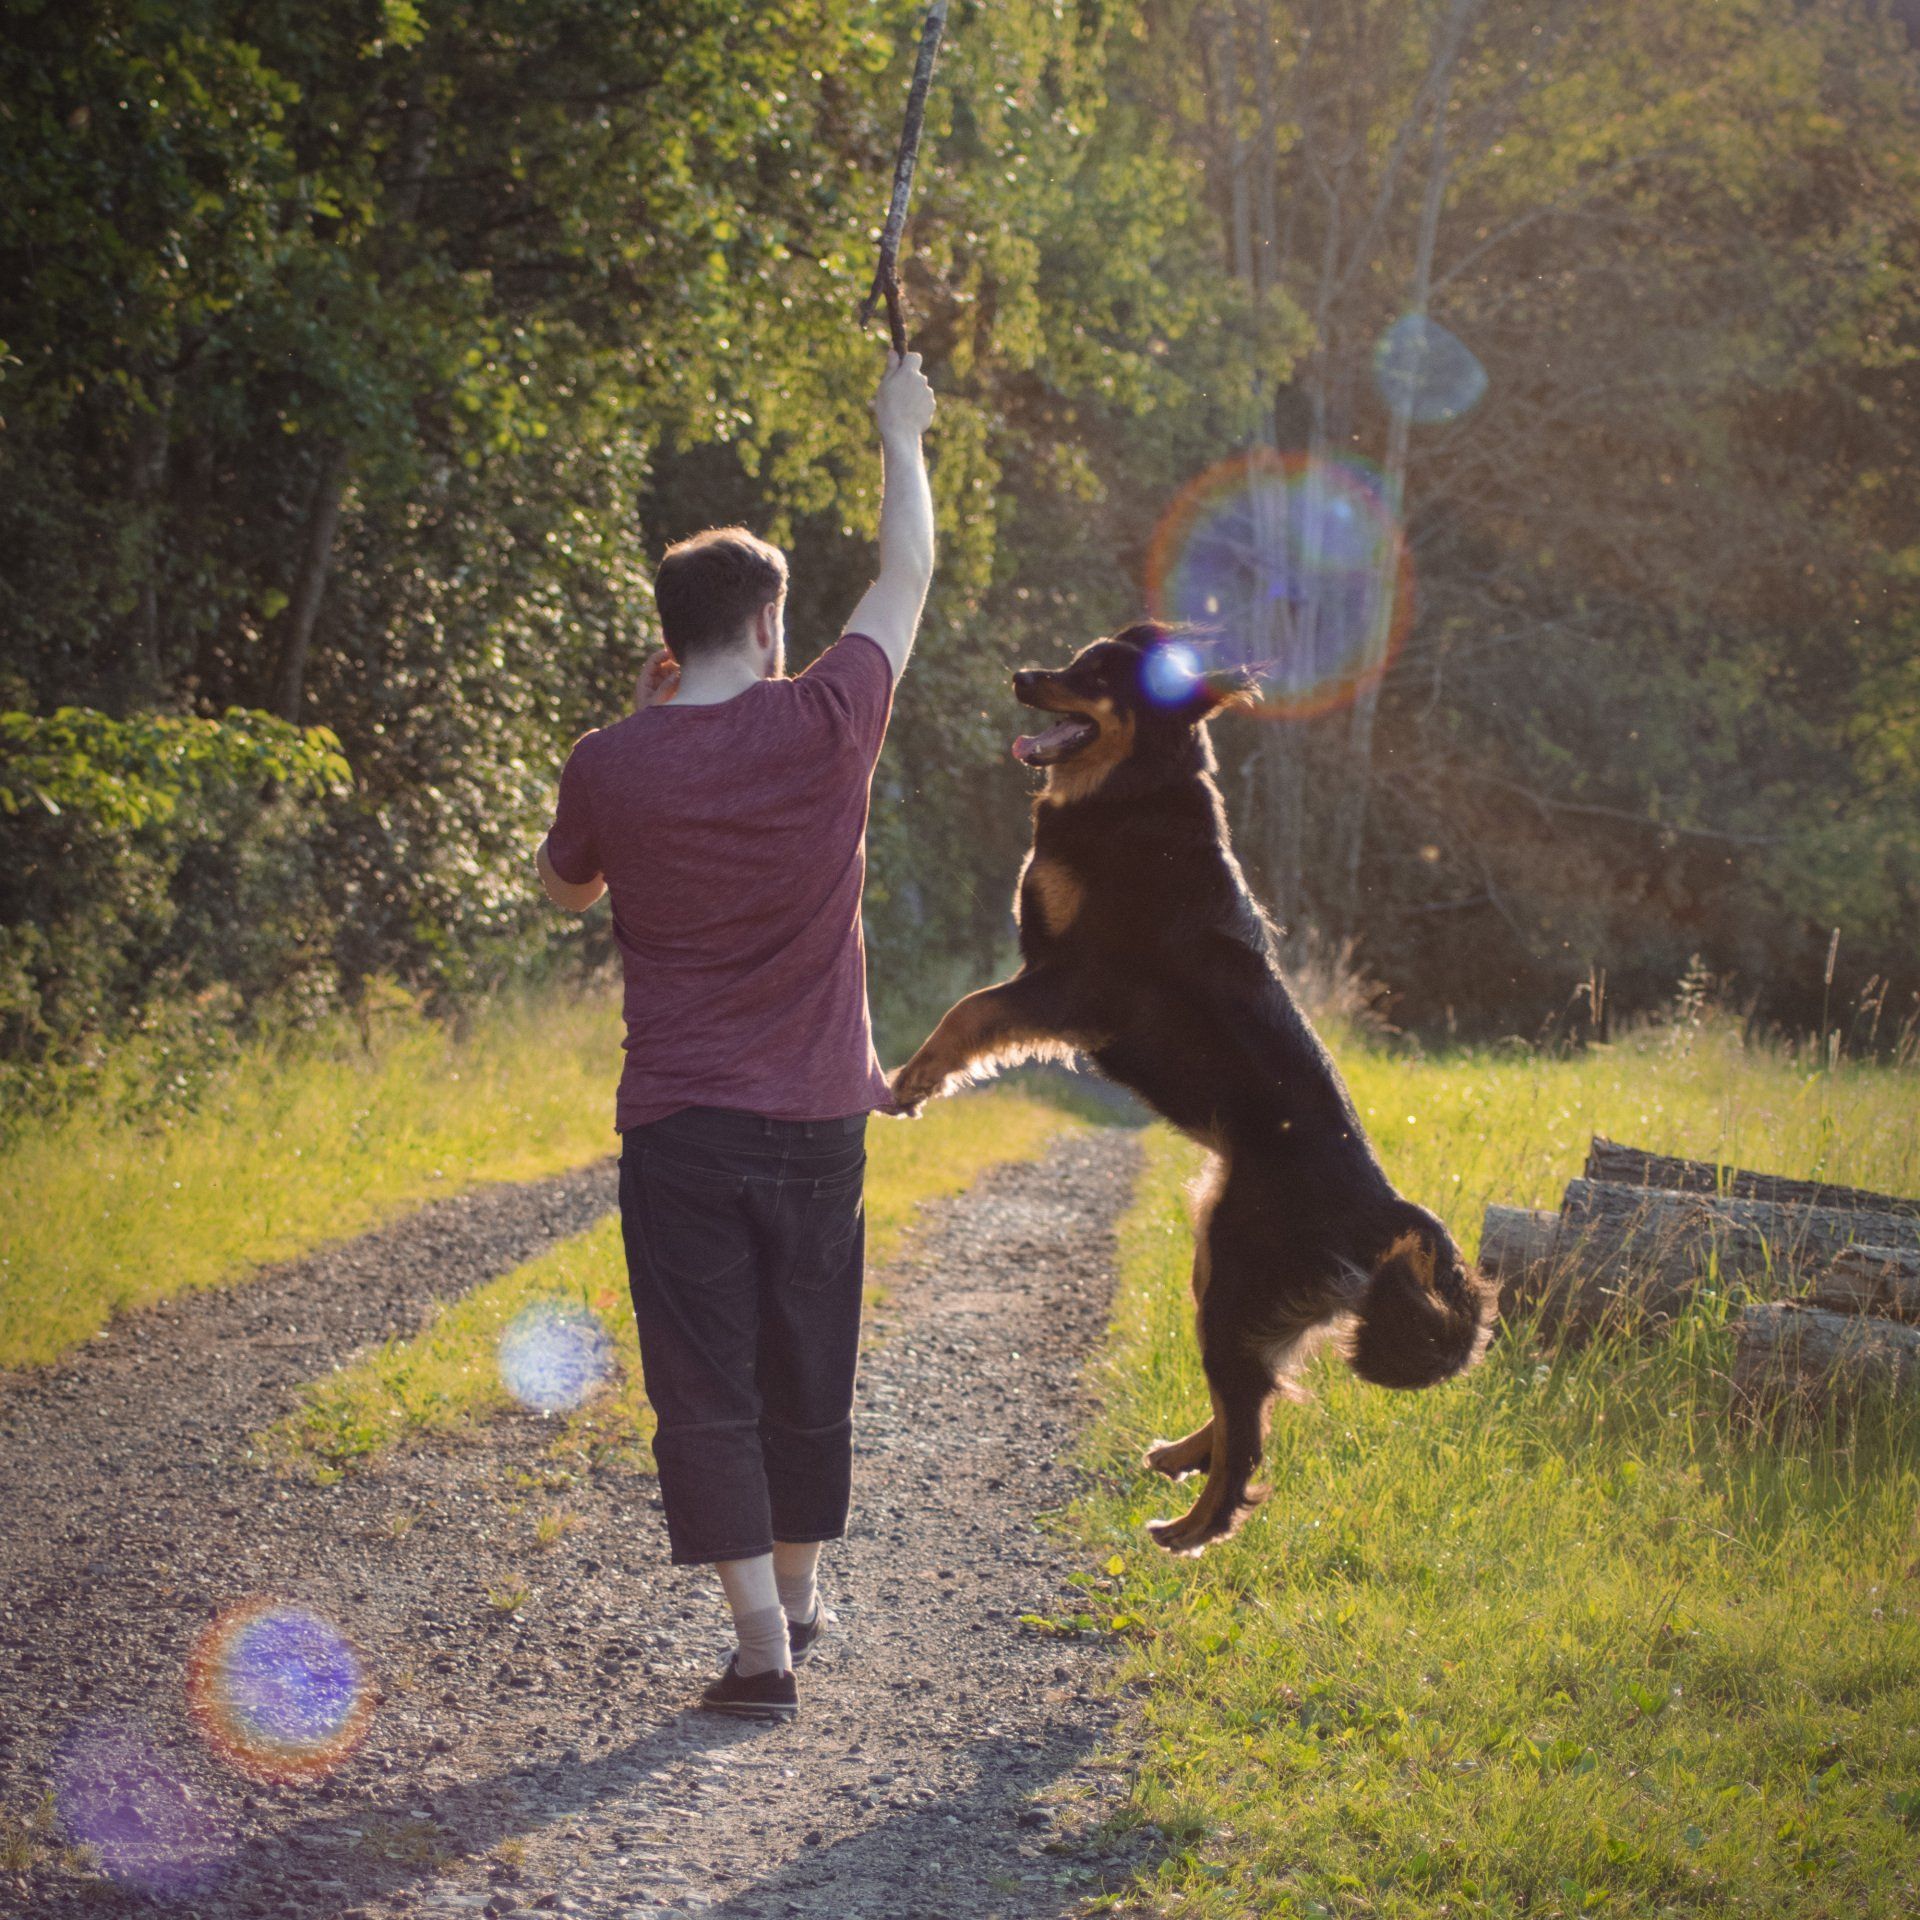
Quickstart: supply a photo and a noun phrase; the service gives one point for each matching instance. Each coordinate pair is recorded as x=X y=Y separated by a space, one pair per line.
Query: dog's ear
x=1415 y=1254
x=1234 y=691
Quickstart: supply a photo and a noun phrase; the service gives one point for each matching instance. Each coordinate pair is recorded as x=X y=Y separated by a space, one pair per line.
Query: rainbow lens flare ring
x=278 y=1691
x=553 y=1354
x=1292 y=569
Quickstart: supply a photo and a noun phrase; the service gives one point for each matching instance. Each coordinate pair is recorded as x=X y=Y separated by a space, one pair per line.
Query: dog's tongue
x=1036 y=749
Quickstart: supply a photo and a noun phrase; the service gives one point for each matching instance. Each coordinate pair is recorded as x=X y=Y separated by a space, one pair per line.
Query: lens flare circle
x=1426 y=372
x=1291 y=569
x=142 y=1820
x=553 y=1354
x=279 y=1691
x=1171 y=673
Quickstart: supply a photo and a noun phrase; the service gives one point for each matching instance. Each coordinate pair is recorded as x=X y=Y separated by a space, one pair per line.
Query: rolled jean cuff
x=713 y=1489
x=680 y=1556
x=809 y=1474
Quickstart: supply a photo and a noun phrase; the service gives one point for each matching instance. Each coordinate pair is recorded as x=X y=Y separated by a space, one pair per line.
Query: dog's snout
x=1025 y=681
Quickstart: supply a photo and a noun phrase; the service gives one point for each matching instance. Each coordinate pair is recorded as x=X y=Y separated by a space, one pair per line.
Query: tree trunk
x=1629 y=1167
x=404 y=195
x=309 y=583
x=1517 y=1245
x=142 y=677
x=1882 y=1280
x=1789 y=1356
x=1641 y=1252
x=1350 y=830
x=1284 y=800
x=1518 y=1249
x=1759 y=1237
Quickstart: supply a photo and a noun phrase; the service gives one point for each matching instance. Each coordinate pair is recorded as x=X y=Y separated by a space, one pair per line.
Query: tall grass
x=290 y=1145
x=1458 y=1131
x=443 y=1380
x=1552 y=1640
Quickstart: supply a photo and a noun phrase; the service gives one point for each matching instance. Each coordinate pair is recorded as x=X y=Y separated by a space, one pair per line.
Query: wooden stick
x=886 y=279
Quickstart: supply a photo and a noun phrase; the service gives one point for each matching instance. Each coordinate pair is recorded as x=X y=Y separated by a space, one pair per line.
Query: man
x=727 y=818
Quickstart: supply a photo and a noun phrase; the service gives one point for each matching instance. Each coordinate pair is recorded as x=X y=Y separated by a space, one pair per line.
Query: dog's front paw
x=908 y=1091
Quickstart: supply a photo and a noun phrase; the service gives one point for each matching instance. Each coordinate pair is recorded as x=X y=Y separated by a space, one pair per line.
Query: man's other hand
x=659 y=681
x=575 y=897
x=904 y=405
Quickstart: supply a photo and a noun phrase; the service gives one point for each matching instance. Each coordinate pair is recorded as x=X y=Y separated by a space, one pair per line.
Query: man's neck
x=709 y=683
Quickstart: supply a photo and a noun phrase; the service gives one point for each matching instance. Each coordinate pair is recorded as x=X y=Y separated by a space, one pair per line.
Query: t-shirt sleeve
x=853 y=679
x=570 y=840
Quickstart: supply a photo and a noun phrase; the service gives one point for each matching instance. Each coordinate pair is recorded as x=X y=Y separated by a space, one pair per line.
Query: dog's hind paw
x=1177 y=1538
x=1206 y=1521
x=1172 y=1458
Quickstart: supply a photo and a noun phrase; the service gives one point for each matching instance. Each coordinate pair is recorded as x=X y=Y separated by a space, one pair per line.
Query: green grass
x=286 y=1148
x=1552 y=1640
x=445 y=1379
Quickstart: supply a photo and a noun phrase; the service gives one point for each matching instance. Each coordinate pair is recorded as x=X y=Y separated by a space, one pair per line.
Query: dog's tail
x=1424 y=1314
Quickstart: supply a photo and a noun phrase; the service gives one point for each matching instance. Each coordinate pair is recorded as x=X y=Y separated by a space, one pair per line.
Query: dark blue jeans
x=746 y=1244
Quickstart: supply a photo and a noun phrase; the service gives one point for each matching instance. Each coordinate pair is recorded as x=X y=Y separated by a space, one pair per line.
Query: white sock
x=795 y=1567
x=759 y=1623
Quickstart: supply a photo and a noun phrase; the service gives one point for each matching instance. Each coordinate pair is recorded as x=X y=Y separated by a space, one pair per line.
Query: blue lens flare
x=1294 y=569
x=1170 y=673
x=146 y=1824
x=1426 y=372
x=553 y=1354
x=278 y=1690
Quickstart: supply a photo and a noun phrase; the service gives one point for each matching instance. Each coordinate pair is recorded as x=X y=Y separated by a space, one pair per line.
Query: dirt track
x=547 y=1759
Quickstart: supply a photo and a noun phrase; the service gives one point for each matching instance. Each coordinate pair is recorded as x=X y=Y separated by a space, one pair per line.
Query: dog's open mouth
x=1060 y=741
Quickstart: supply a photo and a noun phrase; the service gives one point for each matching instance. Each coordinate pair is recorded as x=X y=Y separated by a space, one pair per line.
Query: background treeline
x=358 y=357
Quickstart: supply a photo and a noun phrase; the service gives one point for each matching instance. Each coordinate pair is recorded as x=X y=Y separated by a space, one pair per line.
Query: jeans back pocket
x=694 y=1220
x=830 y=1234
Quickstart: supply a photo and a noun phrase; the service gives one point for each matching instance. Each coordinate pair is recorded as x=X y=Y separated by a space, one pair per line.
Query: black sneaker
x=760 y=1696
x=802 y=1634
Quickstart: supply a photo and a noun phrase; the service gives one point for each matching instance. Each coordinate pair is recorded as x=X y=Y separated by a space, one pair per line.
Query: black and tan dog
x=1142 y=949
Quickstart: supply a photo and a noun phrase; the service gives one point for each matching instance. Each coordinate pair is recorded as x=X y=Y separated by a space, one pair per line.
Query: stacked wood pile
x=1837 y=1268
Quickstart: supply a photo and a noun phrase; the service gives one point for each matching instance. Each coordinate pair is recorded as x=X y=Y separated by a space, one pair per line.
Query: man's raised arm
x=889 y=614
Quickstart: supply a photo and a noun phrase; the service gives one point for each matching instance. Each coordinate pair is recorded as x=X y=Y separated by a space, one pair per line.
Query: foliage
x=1554 y=1639
x=151 y=859
x=129 y=773
x=356 y=363
x=1658 y=570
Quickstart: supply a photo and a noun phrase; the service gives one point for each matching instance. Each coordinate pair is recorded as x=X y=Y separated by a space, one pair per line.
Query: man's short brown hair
x=708 y=588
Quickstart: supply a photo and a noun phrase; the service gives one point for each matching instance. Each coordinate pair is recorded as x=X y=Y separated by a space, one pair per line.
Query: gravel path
x=543 y=1756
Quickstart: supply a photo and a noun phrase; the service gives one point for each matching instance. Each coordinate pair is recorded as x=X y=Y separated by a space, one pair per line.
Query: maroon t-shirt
x=733 y=841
